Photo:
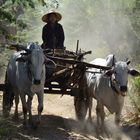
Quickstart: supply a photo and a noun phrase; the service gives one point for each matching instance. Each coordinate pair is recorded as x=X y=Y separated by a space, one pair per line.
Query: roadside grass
x=133 y=115
x=7 y=129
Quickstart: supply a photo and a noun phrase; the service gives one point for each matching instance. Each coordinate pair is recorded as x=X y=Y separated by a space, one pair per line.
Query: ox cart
x=64 y=72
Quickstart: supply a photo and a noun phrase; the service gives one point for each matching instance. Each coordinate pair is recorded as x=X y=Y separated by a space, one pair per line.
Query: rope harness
x=112 y=83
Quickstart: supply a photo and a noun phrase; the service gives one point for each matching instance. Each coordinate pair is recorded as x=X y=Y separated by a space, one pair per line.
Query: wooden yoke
x=72 y=62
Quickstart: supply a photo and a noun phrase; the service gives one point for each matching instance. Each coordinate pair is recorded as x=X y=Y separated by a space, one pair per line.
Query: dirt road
x=59 y=123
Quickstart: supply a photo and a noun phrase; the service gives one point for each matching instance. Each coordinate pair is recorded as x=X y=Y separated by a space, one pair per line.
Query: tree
x=14 y=15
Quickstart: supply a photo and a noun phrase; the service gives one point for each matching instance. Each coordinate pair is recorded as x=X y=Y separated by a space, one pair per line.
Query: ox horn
x=128 y=61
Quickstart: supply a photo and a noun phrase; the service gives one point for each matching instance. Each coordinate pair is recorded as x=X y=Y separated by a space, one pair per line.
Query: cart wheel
x=80 y=108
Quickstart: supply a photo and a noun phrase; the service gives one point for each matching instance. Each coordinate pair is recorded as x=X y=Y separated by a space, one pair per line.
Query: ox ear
x=22 y=59
x=128 y=62
x=134 y=72
x=109 y=72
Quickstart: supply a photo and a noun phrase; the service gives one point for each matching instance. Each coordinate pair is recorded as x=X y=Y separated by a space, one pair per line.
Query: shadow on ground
x=57 y=128
x=132 y=131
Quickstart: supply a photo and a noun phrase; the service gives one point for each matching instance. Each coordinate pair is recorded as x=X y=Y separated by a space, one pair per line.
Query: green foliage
x=16 y=13
x=134 y=95
x=137 y=84
x=6 y=15
x=4 y=58
x=9 y=13
x=134 y=16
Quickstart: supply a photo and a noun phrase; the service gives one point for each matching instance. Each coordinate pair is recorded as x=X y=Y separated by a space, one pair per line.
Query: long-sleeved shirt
x=53 y=37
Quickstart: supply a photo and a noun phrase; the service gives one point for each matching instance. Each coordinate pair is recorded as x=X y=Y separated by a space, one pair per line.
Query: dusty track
x=59 y=123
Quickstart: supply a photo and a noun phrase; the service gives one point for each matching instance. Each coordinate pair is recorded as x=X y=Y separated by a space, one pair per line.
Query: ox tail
x=8 y=97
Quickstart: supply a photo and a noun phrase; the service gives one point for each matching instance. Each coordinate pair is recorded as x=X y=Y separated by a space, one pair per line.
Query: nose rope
x=113 y=85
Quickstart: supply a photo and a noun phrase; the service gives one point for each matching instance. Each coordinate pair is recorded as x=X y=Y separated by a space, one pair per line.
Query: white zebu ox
x=26 y=75
x=108 y=88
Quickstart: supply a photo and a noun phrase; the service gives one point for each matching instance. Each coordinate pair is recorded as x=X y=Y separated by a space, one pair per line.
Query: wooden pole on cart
x=77 y=47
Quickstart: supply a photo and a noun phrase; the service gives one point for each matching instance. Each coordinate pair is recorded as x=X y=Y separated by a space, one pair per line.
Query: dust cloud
x=101 y=26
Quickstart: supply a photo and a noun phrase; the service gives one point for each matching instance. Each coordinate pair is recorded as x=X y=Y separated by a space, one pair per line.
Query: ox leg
x=117 y=118
x=25 y=108
x=16 y=106
x=40 y=105
x=104 y=128
x=100 y=116
x=29 y=104
x=90 y=108
x=118 y=113
x=88 y=103
x=100 y=119
x=117 y=122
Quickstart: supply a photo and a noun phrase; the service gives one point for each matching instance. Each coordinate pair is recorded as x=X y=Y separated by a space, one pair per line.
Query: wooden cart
x=68 y=69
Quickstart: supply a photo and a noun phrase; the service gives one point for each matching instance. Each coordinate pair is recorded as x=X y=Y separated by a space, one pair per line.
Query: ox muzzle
x=123 y=88
x=37 y=82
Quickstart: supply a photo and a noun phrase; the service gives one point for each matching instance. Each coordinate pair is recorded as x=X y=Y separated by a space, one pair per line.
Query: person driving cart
x=52 y=33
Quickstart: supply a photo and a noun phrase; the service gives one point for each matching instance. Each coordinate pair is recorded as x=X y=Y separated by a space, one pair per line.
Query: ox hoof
x=6 y=114
x=15 y=117
x=25 y=124
x=30 y=121
x=118 y=138
x=34 y=125
x=38 y=122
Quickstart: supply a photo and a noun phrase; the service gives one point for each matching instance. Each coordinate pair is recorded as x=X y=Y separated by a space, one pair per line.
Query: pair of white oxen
x=26 y=76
